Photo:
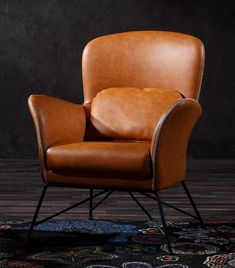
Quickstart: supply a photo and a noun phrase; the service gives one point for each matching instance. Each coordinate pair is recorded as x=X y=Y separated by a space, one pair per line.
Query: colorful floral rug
x=106 y=244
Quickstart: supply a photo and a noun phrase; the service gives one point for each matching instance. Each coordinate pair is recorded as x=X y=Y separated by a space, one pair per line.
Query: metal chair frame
x=153 y=195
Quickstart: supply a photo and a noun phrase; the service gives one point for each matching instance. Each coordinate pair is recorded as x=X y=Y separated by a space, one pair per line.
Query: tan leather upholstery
x=139 y=88
x=130 y=113
x=101 y=159
x=97 y=182
x=56 y=122
x=169 y=143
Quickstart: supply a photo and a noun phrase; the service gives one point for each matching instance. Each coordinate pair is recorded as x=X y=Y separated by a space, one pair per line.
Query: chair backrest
x=143 y=59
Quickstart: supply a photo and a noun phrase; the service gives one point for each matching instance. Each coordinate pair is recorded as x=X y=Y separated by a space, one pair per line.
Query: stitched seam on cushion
x=158 y=133
x=41 y=147
x=202 y=67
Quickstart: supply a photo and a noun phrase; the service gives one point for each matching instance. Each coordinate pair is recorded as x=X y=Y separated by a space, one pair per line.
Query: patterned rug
x=106 y=244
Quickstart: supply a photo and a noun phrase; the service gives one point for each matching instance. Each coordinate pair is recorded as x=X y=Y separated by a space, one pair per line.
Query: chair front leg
x=162 y=229
x=164 y=226
x=36 y=212
x=193 y=203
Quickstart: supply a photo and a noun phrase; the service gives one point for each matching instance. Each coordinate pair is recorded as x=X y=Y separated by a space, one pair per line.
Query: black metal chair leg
x=91 y=205
x=164 y=223
x=36 y=212
x=193 y=204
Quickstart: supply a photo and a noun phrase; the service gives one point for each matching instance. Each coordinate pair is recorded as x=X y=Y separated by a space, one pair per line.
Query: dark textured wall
x=41 y=42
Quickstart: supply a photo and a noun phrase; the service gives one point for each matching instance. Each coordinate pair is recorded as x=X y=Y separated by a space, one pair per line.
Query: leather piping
x=202 y=67
x=40 y=142
x=157 y=136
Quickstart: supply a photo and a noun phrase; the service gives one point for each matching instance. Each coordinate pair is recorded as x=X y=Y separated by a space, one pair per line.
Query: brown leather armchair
x=131 y=133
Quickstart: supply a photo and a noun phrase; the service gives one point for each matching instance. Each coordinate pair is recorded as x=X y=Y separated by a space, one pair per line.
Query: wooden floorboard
x=211 y=182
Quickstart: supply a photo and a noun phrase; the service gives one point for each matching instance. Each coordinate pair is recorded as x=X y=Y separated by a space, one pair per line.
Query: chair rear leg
x=91 y=205
x=193 y=203
x=36 y=212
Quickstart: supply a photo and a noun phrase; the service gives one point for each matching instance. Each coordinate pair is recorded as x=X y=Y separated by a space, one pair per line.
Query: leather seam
x=40 y=142
x=157 y=136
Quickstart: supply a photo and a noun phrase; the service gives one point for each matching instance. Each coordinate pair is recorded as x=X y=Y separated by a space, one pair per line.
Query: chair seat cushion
x=101 y=159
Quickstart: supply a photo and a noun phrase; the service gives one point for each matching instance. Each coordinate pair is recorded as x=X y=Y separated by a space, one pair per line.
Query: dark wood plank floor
x=212 y=184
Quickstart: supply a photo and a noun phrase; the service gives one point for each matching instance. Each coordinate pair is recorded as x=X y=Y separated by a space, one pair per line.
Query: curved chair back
x=143 y=59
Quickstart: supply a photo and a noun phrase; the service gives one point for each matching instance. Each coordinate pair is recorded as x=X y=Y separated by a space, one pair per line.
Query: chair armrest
x=56 y=122
x=169 y=143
